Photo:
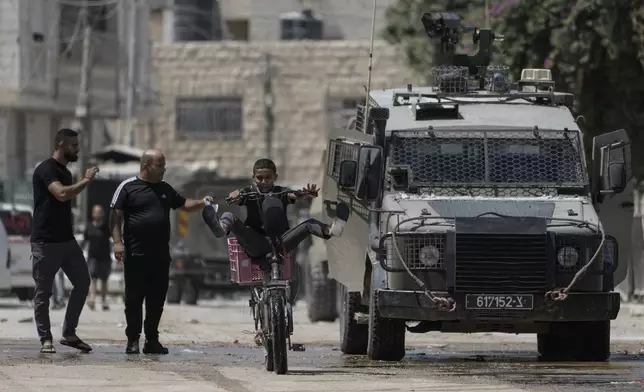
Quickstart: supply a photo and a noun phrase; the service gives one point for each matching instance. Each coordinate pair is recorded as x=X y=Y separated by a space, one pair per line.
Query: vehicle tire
x=190 y=292
x=321 y=296
x=353 y=336
x=174 y=292
x=386 y=336
x=278 y=329
x=579 y=341
x=25 y=294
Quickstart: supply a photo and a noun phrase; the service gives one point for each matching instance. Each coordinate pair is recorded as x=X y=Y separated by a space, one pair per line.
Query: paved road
x=209 y=352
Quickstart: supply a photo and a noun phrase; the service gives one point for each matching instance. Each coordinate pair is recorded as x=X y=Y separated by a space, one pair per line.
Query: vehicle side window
x=338 y=151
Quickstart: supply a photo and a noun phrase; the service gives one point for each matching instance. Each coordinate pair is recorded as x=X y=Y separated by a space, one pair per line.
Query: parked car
x=191 y=276
x=5 y=261
x=17 y=220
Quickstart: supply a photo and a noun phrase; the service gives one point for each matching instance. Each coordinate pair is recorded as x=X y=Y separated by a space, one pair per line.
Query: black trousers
x=146 y=279
x=257 y=246
x=47 y=259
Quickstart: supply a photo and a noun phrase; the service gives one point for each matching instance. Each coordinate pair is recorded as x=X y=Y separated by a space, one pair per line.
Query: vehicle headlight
x=429 y=255
x=567 y=256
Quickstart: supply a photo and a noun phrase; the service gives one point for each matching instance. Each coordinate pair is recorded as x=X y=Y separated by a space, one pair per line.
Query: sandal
x=77 y=343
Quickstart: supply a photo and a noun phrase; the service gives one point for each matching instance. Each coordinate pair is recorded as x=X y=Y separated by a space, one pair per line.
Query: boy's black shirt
x=253 y=207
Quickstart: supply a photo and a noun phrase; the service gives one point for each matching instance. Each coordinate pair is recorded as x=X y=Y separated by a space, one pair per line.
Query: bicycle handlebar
x=256 y=194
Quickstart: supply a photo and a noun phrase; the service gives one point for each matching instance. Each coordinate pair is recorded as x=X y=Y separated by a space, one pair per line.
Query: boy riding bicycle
x=251 y=234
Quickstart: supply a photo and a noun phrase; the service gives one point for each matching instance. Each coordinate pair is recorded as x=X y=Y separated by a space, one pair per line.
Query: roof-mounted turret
x=446 y=27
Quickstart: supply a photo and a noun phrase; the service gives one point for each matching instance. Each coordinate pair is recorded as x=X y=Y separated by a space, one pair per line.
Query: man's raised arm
x=65 y=193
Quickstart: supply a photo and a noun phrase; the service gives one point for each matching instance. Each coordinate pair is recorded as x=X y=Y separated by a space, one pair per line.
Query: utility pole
x=83 y=116
x=269 y=103
x=132 y=33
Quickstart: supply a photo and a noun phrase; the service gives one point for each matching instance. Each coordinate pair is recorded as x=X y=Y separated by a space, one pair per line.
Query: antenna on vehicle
x=373 y=33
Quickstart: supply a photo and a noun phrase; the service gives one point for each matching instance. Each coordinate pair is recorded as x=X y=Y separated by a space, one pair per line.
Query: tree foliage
x=595 y=49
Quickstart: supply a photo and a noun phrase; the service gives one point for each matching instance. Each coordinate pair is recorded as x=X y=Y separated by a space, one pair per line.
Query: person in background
x=141 y=205
x=53 y=245
x=58 y=294
x=99 y=255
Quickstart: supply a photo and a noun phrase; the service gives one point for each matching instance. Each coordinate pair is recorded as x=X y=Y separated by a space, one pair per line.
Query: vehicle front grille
x=504 y=264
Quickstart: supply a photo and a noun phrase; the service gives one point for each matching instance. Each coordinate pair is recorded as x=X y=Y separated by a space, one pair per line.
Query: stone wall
x=307 y=76
x=9 y=48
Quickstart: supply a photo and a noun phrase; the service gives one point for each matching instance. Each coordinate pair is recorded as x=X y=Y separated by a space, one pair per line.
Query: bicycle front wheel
x=264 y=313
x=278 y=329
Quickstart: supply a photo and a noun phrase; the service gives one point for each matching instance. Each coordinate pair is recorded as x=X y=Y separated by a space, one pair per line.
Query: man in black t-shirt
x=141 y=206
x=53 y=245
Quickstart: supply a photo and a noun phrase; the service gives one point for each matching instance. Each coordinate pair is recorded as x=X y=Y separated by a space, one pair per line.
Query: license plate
x=499 y=301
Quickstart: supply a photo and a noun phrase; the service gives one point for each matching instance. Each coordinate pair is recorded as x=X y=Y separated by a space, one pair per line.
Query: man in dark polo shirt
x=53 y=245
x=140 y=226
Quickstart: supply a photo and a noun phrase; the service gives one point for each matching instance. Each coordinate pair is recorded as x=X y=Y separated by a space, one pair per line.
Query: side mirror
x=617 y=177
x=348 y=174
x=370 y=170
x=611 y=160
x=614 y=172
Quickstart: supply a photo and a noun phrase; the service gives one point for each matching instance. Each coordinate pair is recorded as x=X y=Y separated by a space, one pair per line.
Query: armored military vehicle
x=474 y=209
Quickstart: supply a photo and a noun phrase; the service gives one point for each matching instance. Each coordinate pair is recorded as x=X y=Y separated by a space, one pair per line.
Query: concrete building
x=265 y=20
x=211 y=95
x=40 y=65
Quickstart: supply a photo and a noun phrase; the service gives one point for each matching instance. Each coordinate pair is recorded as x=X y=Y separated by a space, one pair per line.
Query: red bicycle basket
x=244 y=272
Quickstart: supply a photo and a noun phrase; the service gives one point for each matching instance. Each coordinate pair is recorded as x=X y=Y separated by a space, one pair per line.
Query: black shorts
x=99 y=268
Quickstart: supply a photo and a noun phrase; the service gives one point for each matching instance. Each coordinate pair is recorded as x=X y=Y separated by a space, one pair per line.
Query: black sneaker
x=47 y=347
x=211 y=218
x=132 y=347
x=154 y=348
x=342 y=213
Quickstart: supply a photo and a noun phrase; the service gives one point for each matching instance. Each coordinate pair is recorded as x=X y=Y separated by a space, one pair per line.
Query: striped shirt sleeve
x=120 y=195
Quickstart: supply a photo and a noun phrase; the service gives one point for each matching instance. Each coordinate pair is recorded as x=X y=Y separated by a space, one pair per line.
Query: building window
x=237 y=29
x=197 y=20
x=210 y=118
x=301 y=26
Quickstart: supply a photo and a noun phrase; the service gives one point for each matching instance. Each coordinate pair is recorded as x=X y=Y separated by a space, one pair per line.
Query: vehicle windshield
x=16 y=222
x=511 y=158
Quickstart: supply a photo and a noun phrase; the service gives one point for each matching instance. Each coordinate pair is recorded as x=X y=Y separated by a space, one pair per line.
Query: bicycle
x=270 y=278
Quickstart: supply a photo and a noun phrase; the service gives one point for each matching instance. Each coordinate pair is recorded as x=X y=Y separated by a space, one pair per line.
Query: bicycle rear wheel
x=278 y=332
